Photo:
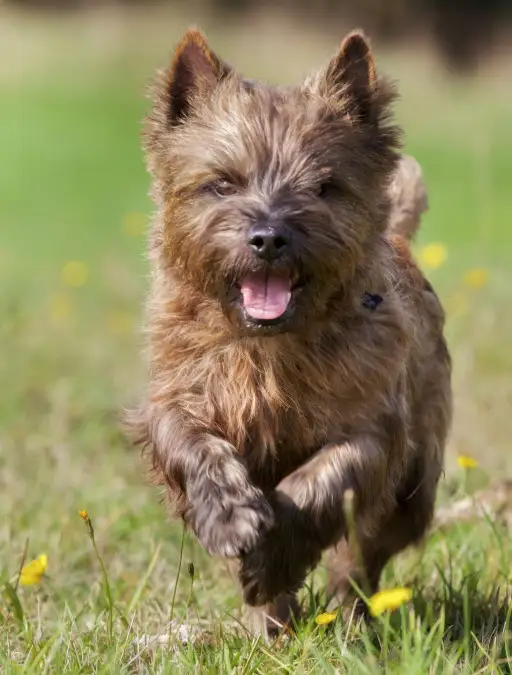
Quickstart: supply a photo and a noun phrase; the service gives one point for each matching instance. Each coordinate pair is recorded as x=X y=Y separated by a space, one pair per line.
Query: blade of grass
x=180 y=561
x=143 y=582
x=14 y=601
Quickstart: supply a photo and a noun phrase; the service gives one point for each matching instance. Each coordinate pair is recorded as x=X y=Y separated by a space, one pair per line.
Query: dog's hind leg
x=406 y=526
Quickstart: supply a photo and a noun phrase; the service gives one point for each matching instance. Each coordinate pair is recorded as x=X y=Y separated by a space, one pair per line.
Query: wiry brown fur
x=258 y=432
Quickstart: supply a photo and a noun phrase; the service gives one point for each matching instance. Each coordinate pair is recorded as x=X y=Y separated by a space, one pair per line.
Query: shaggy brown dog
x=296 y=351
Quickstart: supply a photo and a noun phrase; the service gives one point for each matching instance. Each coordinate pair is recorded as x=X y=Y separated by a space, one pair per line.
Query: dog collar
x=371 y=301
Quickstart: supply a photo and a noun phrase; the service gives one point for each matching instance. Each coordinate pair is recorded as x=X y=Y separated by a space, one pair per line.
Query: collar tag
x=371 y=301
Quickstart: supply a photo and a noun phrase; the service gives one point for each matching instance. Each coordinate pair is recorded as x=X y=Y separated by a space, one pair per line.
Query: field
x=73 y=276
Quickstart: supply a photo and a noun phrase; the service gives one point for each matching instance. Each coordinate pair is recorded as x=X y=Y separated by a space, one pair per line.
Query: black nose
x=268 y=242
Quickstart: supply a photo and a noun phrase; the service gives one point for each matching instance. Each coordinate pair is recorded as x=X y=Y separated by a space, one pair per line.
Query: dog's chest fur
x=279 y=399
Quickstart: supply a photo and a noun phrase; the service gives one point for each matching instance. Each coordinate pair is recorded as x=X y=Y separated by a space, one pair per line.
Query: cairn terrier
x=296 y=351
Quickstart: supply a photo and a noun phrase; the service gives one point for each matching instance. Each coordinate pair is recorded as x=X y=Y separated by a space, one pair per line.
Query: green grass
x=71 y=173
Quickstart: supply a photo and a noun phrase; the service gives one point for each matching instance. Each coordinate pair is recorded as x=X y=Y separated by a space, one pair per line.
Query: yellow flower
x=60 y=306
x=324 y=619
x=466 y=462
x=33 y=572
x=385 y=601
x=87 y=520
x=74 y=273
x=476 y=278
x=134 y=224
x=432 y=256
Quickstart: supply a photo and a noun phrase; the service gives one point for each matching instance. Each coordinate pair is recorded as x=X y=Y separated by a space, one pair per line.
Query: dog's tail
x=408 y=198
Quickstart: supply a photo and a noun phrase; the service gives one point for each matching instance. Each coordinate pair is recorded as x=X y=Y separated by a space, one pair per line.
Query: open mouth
x=267 y=296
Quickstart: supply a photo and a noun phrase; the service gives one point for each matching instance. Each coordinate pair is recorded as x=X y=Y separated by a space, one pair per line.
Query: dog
x=296 y=352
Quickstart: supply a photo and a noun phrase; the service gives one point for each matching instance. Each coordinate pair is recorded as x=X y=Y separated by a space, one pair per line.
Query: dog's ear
x=350 y=75
x=195 y=71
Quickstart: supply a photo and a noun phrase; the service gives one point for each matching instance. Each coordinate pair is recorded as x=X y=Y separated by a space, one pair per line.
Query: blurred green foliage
x=463 y=30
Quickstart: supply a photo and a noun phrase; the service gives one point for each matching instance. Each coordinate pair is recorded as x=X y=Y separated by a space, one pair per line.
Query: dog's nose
x=268 y=242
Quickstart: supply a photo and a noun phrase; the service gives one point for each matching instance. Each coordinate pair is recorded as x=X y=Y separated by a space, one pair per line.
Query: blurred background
x=74 y=212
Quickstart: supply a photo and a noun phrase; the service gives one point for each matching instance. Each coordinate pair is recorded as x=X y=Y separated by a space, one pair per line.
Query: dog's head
x=269 y=198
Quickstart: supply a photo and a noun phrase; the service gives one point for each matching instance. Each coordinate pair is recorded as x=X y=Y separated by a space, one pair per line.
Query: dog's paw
x=231 y=525
x=259 y=580
x=269 y=570
x=280 y=562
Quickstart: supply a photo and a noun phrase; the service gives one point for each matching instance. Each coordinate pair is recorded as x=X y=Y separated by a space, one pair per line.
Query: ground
x=73 y=277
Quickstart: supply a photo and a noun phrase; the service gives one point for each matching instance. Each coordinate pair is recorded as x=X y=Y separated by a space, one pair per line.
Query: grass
x=74 y=188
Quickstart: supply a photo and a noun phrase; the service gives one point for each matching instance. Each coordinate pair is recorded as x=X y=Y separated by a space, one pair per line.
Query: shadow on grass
x=466 y=609
x=462 y=613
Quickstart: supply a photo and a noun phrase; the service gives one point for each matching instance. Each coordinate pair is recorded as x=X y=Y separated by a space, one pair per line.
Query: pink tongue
x=266 y=296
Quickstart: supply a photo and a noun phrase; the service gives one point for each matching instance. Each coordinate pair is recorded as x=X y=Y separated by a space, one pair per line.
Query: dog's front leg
x=226 y=511
x=309 y=514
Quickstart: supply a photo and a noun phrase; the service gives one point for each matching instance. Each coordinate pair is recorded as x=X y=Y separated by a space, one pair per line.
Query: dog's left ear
x=350 y=75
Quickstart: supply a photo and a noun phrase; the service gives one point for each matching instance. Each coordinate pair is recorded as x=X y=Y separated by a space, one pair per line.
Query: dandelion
x=432 y=256
x=326 y=618
x=389 y=600
x=134 y=224
x=33 y=572
x=476 y=278
x=466 y=462
x=60 y=306
x=90 y=531
x=74 y=273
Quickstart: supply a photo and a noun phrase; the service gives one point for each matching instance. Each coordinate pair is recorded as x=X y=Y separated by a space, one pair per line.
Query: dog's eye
x=221 y=188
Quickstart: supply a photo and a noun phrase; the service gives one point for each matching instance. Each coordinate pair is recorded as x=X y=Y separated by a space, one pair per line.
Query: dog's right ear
x=195 y=71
